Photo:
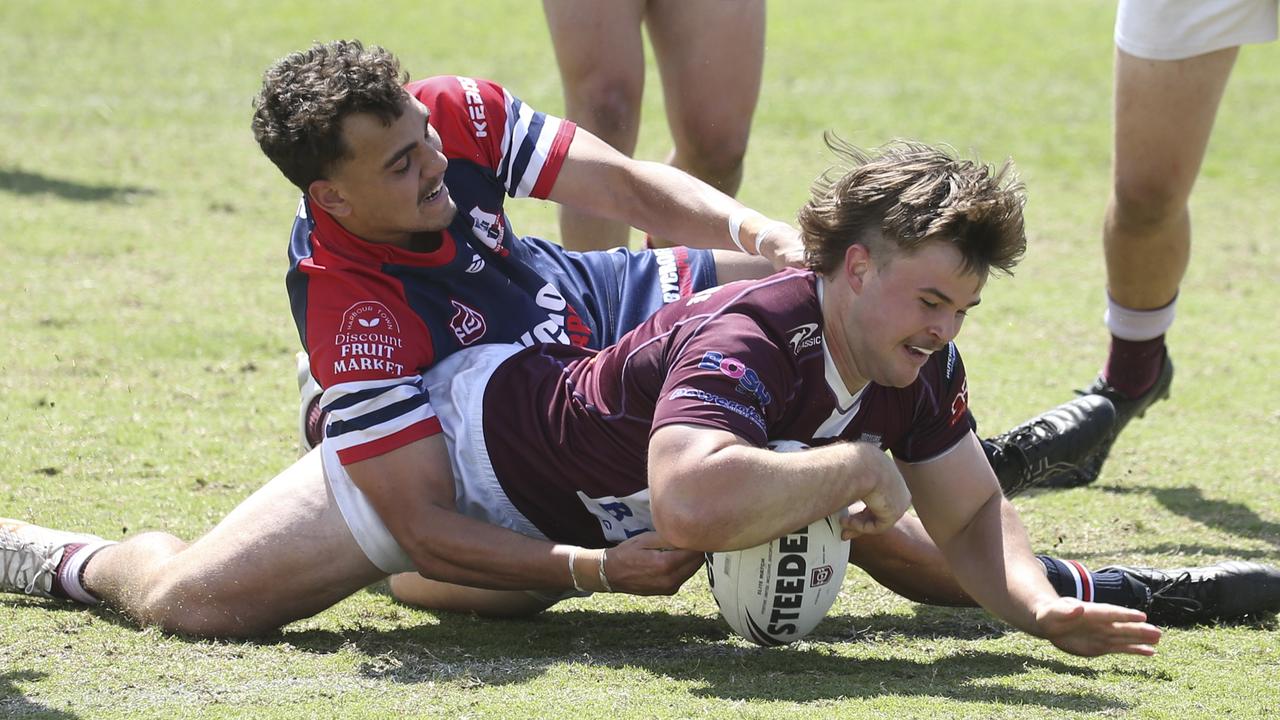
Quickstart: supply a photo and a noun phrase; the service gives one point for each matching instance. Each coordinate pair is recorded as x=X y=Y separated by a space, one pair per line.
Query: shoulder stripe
x=417 y=431
x=353 y=393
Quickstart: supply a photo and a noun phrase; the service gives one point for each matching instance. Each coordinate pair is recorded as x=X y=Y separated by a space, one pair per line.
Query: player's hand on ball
x=1091 y=629
x=648 y=565
x=880 y=508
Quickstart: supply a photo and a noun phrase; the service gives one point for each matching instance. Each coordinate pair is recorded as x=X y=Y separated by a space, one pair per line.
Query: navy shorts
x=619 y=288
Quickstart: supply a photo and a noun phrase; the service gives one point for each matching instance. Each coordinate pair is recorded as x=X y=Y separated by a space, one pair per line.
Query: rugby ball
x=778 y=592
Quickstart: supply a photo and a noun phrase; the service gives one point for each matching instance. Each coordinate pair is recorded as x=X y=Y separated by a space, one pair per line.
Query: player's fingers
x=866 y=522
x=1114 y=613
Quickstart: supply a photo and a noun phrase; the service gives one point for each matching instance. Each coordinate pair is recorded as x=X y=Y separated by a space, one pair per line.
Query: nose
x=433 y=162
x=946 y=327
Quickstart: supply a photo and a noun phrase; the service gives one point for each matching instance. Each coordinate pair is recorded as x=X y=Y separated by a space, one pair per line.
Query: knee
x=713 y=154
x=1147 y=201
x=608 y=108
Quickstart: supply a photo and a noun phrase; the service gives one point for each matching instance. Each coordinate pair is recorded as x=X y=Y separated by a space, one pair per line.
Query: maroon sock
x=1134 y=365
x=316 y=418
x=56 y=590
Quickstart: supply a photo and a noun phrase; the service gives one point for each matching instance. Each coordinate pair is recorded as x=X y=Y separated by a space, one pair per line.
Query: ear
x=329 y=197
x=857 y=263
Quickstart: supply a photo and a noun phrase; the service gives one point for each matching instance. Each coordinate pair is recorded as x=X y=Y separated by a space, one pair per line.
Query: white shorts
x=457 y=393
x=1177 y=29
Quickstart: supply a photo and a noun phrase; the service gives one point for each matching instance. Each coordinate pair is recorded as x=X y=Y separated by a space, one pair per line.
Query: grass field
x=146 y=366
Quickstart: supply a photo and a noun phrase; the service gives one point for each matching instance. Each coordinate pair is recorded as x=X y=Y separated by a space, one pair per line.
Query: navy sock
x=1071 y=579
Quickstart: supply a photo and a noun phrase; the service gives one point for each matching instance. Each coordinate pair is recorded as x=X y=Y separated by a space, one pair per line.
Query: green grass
x=146 y=369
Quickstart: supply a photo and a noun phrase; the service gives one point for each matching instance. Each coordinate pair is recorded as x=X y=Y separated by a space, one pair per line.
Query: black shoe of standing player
x=1055 y=446
x=1187 y=596
x=1126 y=410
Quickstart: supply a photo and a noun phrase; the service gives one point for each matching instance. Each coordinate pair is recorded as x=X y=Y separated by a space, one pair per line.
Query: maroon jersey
x=567 y=428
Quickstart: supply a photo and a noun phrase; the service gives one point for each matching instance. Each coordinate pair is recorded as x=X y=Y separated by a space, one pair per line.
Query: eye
x=403 y=167
x=928 y=304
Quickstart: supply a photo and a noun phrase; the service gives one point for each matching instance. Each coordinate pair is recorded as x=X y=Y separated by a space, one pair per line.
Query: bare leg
x=711 y=57
x=283 y=554
x=906 y=561
x=1164 y=113
x=600 y=50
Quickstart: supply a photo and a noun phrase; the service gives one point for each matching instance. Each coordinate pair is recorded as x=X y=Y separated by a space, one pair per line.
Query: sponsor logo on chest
x=367 y=340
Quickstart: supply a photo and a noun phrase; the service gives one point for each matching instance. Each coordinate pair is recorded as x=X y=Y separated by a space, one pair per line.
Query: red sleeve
x=362 y=331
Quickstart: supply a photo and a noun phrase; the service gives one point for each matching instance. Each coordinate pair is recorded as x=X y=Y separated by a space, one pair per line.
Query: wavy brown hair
x=305 y=96
x=904 y=194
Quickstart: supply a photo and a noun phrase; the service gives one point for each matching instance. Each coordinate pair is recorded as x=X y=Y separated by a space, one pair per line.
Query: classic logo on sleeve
x=467 y=323
x=367 y=340
x=960 y=403
x=803 y=337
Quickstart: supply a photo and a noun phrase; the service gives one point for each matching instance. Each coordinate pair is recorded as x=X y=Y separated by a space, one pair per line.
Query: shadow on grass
x=699 y=651
x=1189 y=502
x=14 y=704
x=20 y=182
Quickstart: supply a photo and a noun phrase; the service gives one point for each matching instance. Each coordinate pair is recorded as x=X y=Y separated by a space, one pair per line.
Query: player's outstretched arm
x=667 y=202
x=960 y=503
x=412 y=490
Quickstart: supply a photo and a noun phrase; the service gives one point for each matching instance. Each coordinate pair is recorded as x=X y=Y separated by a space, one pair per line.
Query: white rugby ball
x=778 y=592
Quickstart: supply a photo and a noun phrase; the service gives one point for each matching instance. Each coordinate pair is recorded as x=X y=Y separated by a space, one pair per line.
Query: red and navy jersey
x=749 y=358
x=373 y=317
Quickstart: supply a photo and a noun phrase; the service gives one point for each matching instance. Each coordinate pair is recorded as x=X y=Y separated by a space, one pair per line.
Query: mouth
x=434 y=193
x=919 y=352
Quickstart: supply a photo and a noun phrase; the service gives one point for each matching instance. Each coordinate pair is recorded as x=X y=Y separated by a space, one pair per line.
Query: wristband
x=573 y=555
x=604 y=579
x=735 y=224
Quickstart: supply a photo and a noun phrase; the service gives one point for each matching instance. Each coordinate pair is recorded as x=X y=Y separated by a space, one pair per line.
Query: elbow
x=420 y=548
x=682 y=524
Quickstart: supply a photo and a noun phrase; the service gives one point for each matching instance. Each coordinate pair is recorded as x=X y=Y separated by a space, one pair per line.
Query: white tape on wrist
x=767 y=231
x=604 y=579
x=573 y=574
x=735 y=224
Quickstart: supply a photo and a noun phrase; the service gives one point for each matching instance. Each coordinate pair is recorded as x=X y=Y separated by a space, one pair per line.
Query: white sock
x=1138 y=325
x=69 y=575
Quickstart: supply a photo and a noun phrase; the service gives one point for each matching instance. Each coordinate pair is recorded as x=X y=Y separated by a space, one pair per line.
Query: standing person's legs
x=1164 y=113
x=600 y=50
x=711 y=57
x=283 y=554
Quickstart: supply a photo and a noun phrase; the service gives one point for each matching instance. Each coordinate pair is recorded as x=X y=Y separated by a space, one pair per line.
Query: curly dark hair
x=298 y=114
x=906 y=194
